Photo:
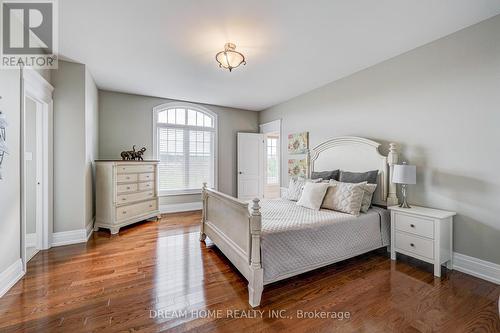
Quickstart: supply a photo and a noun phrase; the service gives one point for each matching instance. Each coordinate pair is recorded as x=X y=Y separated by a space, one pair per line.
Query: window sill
x=177 y=193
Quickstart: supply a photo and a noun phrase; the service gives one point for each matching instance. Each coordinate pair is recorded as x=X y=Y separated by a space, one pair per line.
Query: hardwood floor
x=143 y=278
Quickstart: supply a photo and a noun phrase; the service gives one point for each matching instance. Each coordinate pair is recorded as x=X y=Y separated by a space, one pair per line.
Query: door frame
x=35 y=87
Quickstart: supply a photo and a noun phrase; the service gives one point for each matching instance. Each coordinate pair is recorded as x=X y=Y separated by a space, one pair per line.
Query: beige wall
x=126 y=120
x=75 y=145
x=441 y=104
x=69 y=146
x=10 y=189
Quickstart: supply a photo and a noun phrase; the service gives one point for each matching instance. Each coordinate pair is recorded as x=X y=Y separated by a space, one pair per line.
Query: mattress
x=297 y=239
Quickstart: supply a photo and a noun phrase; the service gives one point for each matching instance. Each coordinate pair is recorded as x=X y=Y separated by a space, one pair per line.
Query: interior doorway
x=272 y=159
x=36 y=166
x=33 y=171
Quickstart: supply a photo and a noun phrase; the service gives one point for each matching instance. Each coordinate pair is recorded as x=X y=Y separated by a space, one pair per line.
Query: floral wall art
x=298 y=143
x=297 y=168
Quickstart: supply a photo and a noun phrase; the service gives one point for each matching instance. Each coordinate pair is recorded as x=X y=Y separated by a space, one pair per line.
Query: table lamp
x=405 y=175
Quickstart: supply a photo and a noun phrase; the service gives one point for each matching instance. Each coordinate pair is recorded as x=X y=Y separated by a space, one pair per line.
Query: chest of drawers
x=126 y=193
x=423 y=233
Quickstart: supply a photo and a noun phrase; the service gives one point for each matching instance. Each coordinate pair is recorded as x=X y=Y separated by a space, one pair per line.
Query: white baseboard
x=69 y=237
x=10 y=276
x=183 y=207
x=476 y=267
x=90 y=228
x=30 y=240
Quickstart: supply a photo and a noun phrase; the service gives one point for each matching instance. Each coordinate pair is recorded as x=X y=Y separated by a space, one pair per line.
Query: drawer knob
x=150 y=206
x=412 y=225
x=124 y=212
x=412 y=245
x=124 y=199
x=128 y=187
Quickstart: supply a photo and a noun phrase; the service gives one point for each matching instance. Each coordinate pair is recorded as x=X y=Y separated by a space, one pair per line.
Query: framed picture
x=298 y=143
x=298 y=168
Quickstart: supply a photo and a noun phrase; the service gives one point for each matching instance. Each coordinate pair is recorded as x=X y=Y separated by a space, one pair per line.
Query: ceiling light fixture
x=229 y=58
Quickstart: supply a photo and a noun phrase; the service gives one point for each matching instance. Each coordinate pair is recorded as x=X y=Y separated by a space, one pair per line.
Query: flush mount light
x=229 y=58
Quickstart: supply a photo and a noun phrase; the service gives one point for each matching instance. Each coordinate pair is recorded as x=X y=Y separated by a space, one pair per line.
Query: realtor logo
x=29 y=34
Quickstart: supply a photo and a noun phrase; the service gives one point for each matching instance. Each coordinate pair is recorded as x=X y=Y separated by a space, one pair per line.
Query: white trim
x=183 y=207
x=10 y=276
x=31 y=240
x=39 y=90
x=476 y=267
x=169 y=193
x=194 y=107
x=69 y=237
x=90 y=228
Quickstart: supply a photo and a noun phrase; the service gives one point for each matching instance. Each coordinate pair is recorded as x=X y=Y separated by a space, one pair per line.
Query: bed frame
x=235 y=228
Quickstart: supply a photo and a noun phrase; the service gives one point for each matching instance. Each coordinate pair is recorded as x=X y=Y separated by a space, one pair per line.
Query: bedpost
x=256 y=281
x=204 y=198
x=392 y=159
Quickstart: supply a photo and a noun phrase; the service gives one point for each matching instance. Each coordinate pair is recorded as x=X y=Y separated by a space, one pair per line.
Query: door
x=250 y=165
x=33 y=173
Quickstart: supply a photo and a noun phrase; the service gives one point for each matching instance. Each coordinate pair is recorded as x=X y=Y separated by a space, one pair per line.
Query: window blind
x=186 y=150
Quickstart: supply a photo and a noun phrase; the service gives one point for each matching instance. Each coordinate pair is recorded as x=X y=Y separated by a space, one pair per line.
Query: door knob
x=240 y=172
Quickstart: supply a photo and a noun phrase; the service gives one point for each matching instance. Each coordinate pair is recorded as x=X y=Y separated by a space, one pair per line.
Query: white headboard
x=358 y=155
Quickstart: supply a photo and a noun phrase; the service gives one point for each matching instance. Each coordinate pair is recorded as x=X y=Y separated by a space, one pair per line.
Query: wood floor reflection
x=157 y=276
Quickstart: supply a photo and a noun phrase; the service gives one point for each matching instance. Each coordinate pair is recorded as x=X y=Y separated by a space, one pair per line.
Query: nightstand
x=423 y=233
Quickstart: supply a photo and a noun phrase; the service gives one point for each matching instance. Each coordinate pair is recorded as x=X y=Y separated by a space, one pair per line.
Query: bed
x=271 y=240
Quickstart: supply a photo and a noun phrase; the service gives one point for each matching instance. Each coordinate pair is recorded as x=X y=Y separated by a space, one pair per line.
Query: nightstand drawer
x=413 y=244
x=414 y=225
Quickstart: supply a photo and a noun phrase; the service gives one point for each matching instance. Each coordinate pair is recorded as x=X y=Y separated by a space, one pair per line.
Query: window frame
x=184 y=105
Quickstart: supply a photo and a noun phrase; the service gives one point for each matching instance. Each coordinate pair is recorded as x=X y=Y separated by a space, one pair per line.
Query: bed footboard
x=235 y=230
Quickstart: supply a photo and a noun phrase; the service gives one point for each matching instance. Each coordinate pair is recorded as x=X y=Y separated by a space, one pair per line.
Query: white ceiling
x=167 y=48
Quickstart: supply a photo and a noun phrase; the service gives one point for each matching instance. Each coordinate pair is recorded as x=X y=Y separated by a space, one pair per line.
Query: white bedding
x=297 y=239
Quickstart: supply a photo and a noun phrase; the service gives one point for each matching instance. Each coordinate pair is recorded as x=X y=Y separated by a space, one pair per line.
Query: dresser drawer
x=127 y=178
x=129 y=211
x=413 y=244
x=146 y=177
x=126 y=188
x=146 y=186
x=135 y=168
x=415 y=225
x=133 y=197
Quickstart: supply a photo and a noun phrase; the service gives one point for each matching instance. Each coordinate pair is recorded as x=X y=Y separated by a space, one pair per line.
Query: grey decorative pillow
x=359 y=177
x=325 y=175
x=367 y=197
x=344 y=197
x=368 y=189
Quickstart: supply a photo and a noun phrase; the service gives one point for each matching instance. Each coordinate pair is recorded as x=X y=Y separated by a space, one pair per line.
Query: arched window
x=184 y=139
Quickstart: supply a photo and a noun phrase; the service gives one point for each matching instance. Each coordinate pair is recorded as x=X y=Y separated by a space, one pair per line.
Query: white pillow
x=312 y=195
x=295 y=187
x=368 y=189
x=344 y=197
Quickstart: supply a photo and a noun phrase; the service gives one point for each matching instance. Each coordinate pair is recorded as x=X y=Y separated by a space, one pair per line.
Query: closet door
x=250 y=165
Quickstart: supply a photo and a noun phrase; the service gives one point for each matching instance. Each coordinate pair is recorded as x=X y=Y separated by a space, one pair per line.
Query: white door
x=250 y=165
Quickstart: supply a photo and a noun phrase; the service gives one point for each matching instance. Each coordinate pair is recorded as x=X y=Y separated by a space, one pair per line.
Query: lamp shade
x=404 y=174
